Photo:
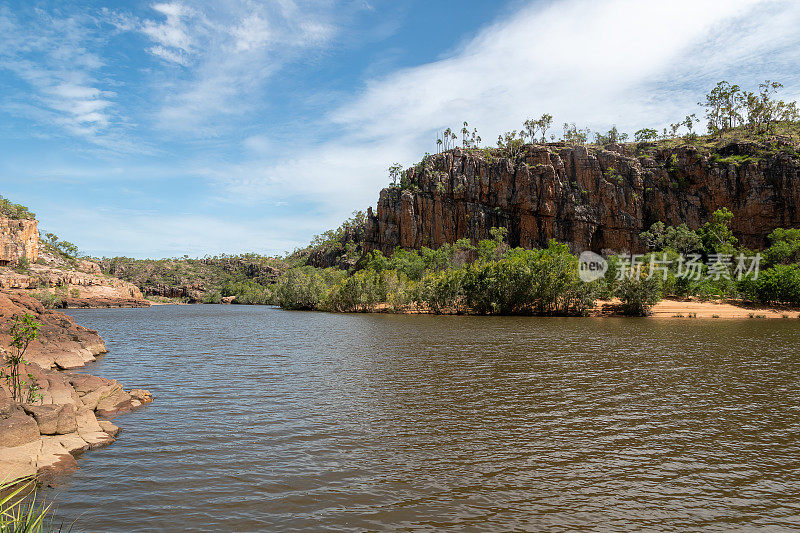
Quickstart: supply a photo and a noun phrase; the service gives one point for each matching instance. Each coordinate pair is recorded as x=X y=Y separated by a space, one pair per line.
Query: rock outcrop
x=80 y=286
x=591 y=198
x=18 y=238
x=61 y=343
x=43 y=436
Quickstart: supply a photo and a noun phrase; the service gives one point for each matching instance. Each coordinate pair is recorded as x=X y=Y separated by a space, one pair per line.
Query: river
x=268 y=420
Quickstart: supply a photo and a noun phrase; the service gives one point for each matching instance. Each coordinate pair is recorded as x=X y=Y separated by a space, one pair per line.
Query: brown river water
x=268 y=420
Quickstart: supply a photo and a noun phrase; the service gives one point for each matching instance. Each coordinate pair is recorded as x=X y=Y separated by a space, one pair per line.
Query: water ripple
x=268 y=420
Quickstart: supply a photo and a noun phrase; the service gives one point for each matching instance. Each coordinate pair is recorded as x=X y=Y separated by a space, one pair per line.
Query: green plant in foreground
x=24 y=329
x=20 y=512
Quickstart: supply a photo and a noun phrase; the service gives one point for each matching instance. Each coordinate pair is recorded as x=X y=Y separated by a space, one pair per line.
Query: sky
x=158 y=129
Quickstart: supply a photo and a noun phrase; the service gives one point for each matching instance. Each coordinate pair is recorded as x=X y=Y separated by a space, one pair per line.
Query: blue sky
x=157 y=129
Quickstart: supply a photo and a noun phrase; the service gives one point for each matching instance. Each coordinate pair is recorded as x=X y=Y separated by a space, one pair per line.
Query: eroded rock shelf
x=72 y=415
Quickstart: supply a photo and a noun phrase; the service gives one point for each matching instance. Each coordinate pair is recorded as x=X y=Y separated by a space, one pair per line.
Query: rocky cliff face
x=592 y=198
x=18 y=239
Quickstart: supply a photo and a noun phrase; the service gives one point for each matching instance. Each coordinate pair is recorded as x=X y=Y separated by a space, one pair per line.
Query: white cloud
x=232 y=49
x=171 y=56
x=175 y=35
x=252 y=32
x=53 y=57
x=576 y=59
x=624 y=62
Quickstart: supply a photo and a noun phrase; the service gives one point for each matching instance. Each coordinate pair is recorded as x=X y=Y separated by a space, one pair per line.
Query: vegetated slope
x=245 y=277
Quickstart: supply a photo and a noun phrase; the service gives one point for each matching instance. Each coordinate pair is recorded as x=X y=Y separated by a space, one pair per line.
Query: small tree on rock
x=24 y=329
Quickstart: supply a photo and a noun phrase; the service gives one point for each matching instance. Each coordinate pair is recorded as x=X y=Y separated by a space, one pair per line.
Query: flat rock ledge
x=44 y=438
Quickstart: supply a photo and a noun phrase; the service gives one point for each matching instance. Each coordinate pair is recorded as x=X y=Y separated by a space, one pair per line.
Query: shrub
x=213 y=297
x=9 y=209
x=247 y=292
x=24 y=329
x=784 y=247
x=780 y=283
x=48 y=299
x=528 y=282
x=360 y=292
x=302 y=288
x=443 y=291
x=399 y=291
x=23 y=265
x=638 y=294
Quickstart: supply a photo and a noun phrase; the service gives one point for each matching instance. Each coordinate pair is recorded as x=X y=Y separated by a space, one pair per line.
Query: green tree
x=24 y=329
x=613 y=136
x=638 y=292
x=779 y=284
x=690 y=122
x=645 y=135
x=395 y=171
x=511 y=142
x=9 y=209
x=302 y=289
x=723 y=105
x=716 y=235
x=784 y=247
x=575 y=136
x=681 y=239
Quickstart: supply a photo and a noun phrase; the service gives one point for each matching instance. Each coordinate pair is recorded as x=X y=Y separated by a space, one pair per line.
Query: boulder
x=90 y=430
x=109 y=428
x=117 y=400
x=18 y=429
x=143 y=396
x=11 y=470
x=67 y=421
x=46 y=417
x=69 y=360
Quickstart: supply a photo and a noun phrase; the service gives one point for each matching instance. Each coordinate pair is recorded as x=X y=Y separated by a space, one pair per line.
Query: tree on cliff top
x=613 y=136
x=541 y=125
x=575 y=136
x=9 y=209
x=395 y=170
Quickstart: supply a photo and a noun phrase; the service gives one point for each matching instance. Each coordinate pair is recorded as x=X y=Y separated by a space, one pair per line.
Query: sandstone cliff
x=79 y=285
x=19 y=238
x=590 y=197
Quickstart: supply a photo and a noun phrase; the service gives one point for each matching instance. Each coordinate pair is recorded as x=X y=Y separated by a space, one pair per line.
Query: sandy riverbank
x=705 y=309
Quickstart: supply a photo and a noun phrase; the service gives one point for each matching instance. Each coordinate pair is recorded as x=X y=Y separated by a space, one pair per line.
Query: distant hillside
x=235 y=278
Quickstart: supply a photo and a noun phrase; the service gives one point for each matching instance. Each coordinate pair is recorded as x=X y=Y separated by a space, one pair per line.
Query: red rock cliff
x=591 y=198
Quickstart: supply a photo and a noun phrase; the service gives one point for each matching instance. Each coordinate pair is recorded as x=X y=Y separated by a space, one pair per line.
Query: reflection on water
x=267 y=420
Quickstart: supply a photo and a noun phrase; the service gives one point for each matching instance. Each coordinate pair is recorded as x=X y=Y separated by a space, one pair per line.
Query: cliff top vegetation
x=9 y=209
x=730 y=113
